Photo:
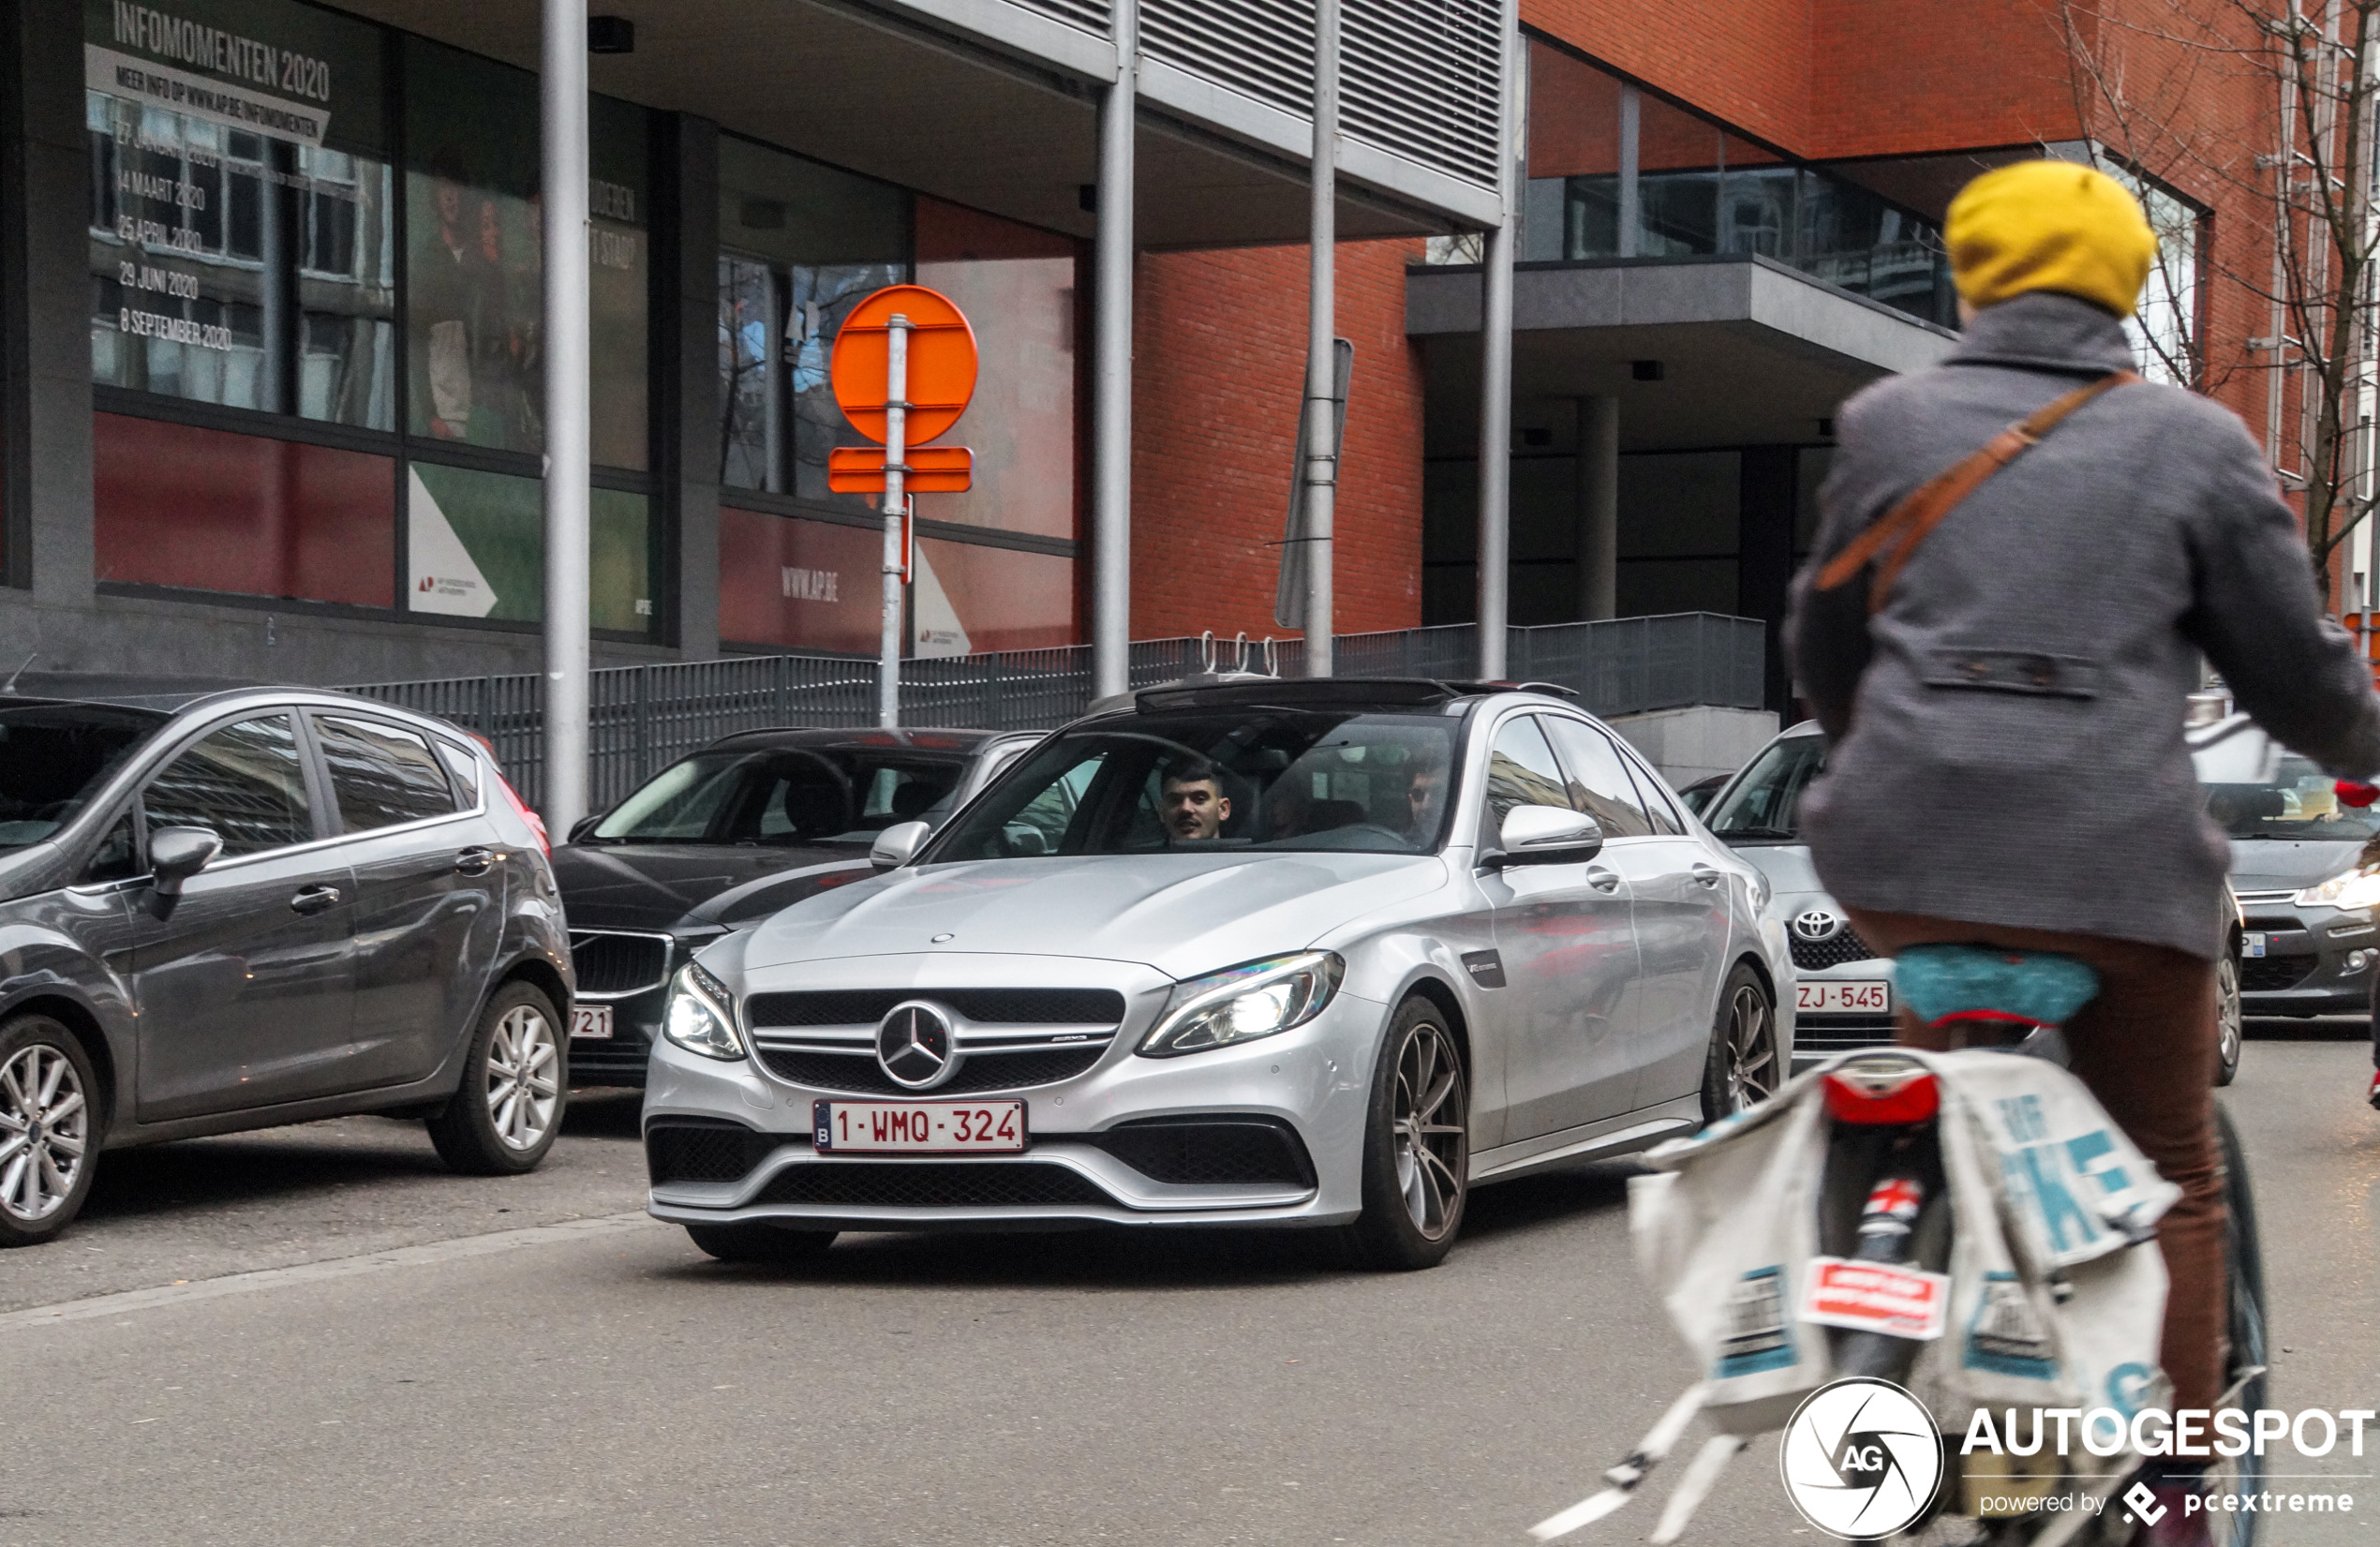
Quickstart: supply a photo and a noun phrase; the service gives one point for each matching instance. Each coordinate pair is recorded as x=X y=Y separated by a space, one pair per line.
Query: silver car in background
x=1843 y=995
x=1440 y=934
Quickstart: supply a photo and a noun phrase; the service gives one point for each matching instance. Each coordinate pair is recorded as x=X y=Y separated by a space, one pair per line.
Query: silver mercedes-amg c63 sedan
x=1245 y=952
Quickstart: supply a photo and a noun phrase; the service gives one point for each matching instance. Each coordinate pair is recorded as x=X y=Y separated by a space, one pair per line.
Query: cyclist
x=2001 y=646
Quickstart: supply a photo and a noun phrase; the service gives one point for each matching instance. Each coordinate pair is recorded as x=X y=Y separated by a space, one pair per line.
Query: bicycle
x=1883 y=1203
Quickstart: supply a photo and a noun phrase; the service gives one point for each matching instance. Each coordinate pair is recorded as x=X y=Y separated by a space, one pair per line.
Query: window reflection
x=1615 y=172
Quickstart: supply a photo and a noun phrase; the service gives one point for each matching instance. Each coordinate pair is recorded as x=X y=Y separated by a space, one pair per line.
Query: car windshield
x=1194 y=780
x=54 y=757
x=786 y=795
x=1764 y=806
x=2299 y=801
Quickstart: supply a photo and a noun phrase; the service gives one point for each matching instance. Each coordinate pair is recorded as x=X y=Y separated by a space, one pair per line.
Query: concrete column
x=48 y=278
x=1111 y=373
x=1770 y=486
x=1630 y=208
x=1599 y=507
x=688 y=221
x=562 y=125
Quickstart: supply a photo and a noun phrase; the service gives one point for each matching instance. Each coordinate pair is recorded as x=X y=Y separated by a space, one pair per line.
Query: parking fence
x=644 y=718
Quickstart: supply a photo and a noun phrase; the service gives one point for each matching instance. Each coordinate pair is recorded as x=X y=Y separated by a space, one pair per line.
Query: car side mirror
x=176 y=854
x=898 y=844
x=581 y=827
x=1547 y=835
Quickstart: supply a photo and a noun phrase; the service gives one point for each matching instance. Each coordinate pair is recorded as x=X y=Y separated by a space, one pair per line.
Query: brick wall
x=1218 y=370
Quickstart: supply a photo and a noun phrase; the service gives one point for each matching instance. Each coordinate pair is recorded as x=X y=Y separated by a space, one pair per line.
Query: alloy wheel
x=1751 y=1049
x=44 y=1132
x=522 y=1091
x=2228 y=1028
x=1432 y=1131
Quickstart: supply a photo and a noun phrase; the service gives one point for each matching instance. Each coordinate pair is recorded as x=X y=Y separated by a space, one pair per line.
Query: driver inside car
x=1191 y=802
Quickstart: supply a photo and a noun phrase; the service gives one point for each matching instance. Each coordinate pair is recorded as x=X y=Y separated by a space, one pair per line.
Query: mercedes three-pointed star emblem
x=914 y=1045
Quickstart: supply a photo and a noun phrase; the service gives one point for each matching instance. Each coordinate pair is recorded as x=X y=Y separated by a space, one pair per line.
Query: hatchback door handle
x=1603 y=880
x=1705 y=876
x=313 y=899
x=474 y=861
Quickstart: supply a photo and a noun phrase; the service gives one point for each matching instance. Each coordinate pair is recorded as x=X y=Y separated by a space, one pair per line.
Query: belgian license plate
x=594 y=1021
x=919 y=1127
x=2252 y=945
x=1866 y=996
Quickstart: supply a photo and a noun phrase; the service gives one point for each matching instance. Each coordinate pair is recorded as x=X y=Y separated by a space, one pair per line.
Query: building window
x=1617 y=172
x=477 y=549
x=242 y=251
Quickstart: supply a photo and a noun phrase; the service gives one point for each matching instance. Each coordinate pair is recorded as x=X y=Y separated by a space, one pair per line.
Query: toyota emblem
x=914 y=1046
x=1817 y=924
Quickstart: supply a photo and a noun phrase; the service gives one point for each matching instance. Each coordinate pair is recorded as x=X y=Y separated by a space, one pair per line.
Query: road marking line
x=314 y=1273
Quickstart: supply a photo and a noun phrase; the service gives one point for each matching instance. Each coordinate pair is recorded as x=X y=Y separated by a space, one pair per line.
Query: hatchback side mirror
x=176 y=854
x=580 y=828
x=898 y=844
x=1547 y=835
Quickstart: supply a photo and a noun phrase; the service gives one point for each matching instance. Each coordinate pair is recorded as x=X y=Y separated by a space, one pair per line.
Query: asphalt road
x=417 y=1358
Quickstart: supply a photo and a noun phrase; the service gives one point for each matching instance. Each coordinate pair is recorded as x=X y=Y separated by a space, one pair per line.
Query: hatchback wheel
x=1742 y=1070
x=1416 y=1145
x=2229 y=1033
x=764 y=1243
x=508 y=1110
x=47 y=1145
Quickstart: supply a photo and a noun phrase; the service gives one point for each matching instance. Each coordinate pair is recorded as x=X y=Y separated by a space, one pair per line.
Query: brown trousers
x=2145 y=1047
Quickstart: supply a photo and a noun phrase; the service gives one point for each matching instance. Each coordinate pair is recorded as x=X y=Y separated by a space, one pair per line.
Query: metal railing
x=644 y=718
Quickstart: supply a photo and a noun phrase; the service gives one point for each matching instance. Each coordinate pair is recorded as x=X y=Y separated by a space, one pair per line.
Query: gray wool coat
x=2008 y=731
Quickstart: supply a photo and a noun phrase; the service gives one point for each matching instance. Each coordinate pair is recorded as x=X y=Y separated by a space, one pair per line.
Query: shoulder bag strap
x=1905 y=524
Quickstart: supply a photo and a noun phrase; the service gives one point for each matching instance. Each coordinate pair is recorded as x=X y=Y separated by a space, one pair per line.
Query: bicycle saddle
x=1943 y=983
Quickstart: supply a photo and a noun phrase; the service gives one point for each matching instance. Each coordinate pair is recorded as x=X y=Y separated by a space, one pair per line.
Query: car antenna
x=10 y=686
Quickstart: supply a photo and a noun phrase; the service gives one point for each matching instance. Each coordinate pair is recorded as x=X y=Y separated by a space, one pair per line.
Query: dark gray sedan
x=720 y=841
x=225 y=906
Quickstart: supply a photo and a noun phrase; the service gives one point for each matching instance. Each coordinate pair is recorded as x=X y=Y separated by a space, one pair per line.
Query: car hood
x=1787 y=866
x=2272 y=865
x=655 y=885
x=1181 y=914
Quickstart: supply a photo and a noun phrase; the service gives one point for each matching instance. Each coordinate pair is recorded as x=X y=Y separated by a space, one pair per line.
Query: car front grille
x=990 y=1006
x=617 y=964
x=920 y=1185
x=698 y=1150
x=1210 y=1151
x=2264 y=975
x=858 y=1072
x=1823 y=1039
x=1836 y=950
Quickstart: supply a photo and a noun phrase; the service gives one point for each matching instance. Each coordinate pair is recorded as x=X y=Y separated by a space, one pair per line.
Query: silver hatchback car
x=1261 y=952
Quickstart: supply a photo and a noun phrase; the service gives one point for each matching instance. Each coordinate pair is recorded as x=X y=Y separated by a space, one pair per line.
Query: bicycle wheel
x=2244 y=1376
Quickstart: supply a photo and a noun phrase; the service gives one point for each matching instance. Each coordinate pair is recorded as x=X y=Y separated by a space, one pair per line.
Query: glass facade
x=800 y=245
x=1615 y=172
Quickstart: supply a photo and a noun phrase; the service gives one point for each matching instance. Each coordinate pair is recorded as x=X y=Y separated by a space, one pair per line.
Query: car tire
x=762 y=1243
x=1742 y=1069
x=508 y=1110
x=47 y=1154
x=2231 y=1033
x=1416 y=1145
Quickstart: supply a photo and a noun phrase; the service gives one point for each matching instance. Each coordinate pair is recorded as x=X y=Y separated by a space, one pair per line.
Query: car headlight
x=1241 y=1003
x=699 y=1018
x=2355 y=888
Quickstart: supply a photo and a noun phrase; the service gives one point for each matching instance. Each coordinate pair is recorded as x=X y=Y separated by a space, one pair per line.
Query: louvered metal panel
x=1420 y=78
x=1092 y=16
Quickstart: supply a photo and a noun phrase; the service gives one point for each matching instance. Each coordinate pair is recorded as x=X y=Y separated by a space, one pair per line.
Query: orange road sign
x=942 y=363
x=932 y=469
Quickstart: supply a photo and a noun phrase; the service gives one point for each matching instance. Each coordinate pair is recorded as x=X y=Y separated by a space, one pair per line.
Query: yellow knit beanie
x=2049 y=226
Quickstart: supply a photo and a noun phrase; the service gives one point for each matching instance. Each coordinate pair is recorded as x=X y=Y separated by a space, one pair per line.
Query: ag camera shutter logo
x=1860 y=1459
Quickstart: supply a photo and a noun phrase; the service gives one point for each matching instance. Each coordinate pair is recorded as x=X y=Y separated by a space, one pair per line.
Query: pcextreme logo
x=1861 y=1460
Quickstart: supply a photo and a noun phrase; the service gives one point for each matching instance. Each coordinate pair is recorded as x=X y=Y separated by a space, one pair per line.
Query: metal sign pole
x=562 y=92
x=895 y=499
x=1321 y=407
